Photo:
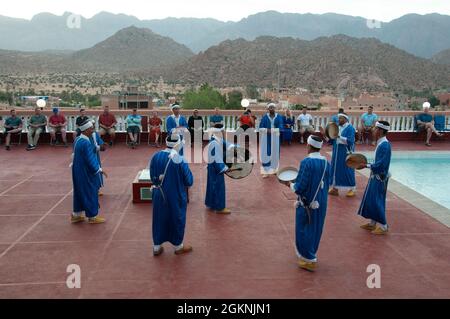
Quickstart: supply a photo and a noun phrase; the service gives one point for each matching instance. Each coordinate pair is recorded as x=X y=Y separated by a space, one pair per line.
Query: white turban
x=85 y=126
x=175 y=140
x=384 y=127
x=314 y=143
x=271 y=104
x=343 y=115
x=174 y=106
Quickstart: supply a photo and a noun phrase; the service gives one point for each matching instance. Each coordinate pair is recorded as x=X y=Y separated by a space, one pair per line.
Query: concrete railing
x=400 y=121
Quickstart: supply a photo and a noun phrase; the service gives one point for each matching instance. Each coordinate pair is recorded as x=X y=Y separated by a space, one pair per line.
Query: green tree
x=234 y=100
x=205 y=98
x=434 y=101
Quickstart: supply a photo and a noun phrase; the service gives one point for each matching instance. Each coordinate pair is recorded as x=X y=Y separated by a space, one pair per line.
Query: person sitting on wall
x=107 y=122
x=425 y=122
x=133 y=127
x=216 y=119
x=57 y=123
x=37 y=124
x=13 y=125
x=155 y=128
x=367 y=125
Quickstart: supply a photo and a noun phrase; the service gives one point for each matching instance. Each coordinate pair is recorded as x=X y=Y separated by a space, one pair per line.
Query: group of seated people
x=57 y=123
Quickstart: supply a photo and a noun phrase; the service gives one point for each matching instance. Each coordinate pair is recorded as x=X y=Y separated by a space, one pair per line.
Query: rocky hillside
x=334 y=62
x=442 y=57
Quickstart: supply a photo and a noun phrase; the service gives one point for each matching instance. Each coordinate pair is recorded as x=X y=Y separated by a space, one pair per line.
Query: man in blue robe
x=177 y=124
x=373 y=205
x=215 y=186
x=170 y=176
x=269 y=134
x=99 y=145
x=343 y=176
x=311 y=187
x=85 y=176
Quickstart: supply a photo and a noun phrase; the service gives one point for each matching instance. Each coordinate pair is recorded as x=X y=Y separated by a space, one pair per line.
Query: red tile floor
x=248 y=254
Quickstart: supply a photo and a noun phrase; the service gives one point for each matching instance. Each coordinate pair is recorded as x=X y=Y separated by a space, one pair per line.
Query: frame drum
x=241 y=164
x=332 y=130
x=287 y=174
x=355 y=160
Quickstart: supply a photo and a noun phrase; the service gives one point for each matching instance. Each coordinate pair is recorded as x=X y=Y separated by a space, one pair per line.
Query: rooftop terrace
x=248 y=254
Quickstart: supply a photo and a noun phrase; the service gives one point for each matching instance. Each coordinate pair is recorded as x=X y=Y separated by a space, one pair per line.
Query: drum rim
x=284 y=169
x=328 y=127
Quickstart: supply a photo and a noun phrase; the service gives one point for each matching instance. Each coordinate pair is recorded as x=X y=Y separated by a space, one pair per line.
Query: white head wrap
x=343 y=115
x=174 y=106
x=314 y=143
x=271 y=104
x=173 y=137
x=85 y=126
x=381 y=125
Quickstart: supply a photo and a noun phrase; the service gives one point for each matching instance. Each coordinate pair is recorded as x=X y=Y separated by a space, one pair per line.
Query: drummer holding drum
x=311 y=186
x=373 y=205
x=343 y=177
x=218 y=150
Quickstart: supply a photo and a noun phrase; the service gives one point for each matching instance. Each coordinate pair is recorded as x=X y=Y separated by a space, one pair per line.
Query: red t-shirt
x=107 y=119
x=155 y=121
x=57 y=119
x=246 y=120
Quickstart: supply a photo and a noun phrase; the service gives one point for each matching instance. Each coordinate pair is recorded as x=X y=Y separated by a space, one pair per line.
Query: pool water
x=428 y=173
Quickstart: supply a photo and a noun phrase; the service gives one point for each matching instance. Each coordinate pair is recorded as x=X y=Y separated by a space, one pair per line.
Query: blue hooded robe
x=373 y=205
x=169 y=196
x=85 y=176
x=343 y=176
x=270 y=162
x=97 y=141
x=215 y=186
x=171 y=125
x=308 y=227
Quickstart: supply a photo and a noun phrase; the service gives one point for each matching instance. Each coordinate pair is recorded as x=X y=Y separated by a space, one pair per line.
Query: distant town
x=76 y=91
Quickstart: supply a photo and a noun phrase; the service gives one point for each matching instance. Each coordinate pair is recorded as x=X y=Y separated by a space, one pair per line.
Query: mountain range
x=421 y=35
x=336 y=62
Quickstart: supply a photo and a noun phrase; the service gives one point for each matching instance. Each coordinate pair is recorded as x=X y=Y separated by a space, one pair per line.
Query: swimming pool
x=428 y=173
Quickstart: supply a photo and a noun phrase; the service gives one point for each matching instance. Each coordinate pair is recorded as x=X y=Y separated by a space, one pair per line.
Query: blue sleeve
x=220 y=167
x=301 y=182
x=382 y=157
x=99 y=139
x=188 y=178
x=90 y=158
x=152 y=166
x=183 y=121
x=263 y=123
x=170 y=124
x=279 y=122
x=349 y=133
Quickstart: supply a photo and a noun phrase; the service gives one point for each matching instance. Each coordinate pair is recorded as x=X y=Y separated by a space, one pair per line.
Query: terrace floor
x=248 y=254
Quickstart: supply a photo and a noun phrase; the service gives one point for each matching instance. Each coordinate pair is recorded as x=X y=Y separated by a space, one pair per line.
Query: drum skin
x=355 y=160
x=332 y=130
x=287 y=174
x=241 y=163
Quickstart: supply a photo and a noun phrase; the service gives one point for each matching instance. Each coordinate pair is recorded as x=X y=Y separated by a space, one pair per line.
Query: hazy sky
x=225 y=10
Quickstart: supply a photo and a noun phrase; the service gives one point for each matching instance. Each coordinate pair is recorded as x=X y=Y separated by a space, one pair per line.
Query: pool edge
x=426 y=205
